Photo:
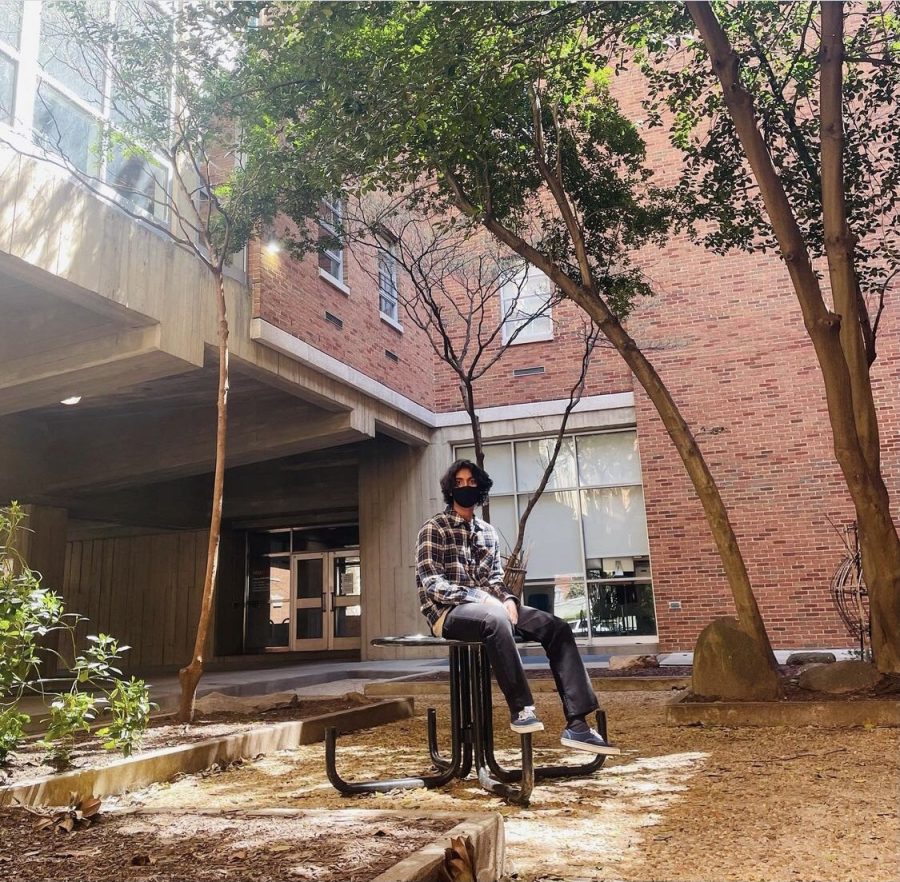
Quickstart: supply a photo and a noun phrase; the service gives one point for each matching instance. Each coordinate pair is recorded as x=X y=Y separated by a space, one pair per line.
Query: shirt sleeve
x=430 y=570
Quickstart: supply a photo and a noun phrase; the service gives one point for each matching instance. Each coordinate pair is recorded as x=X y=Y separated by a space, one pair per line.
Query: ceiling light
x=71 y=401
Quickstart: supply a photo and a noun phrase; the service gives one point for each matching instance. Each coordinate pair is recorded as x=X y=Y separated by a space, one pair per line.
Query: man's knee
x=496 y=621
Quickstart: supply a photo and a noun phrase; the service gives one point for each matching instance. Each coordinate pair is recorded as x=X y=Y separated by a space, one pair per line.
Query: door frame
x=327 y=602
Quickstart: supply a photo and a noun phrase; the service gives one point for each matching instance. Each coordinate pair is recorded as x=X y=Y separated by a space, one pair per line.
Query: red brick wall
x=290 y=294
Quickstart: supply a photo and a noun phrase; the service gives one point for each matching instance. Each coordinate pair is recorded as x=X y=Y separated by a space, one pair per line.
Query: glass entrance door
x=308 y=629
x=327 y=593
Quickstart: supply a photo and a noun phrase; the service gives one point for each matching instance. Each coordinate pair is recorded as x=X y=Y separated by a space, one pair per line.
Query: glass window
x=137 y=177
x=532 y=458
x=11 y=22
x=387 y=285
x=615 y=524
x=331 y=257
x=608 y=460
x=525 y=303
x=552 y=543
x=68 y=61
x=497 y=463
x=7 y=87
x=622 y=610
x=62 y=127
x=504 y=521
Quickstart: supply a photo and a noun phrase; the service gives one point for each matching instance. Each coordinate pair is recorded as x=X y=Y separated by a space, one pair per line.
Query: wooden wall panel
x=144 y=590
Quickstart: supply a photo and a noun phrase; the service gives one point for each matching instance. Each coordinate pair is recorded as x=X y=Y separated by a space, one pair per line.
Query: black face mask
x=467 y=497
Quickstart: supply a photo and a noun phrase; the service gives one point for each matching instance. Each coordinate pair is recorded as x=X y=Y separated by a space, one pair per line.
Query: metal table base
x=471 y=736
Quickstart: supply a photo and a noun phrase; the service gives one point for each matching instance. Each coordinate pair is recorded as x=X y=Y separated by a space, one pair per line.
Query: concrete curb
x=162 y=765
x=403 y=686
x=486 y=832
x=835 y=714
x=488 y=839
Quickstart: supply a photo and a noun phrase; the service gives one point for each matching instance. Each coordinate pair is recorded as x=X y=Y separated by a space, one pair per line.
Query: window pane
x=497 y=463
x=309 y=624
x=525 y=300
x=348 y=621
x=7 y=87
x=139 y=179
x=552 y=543
x=10 y=22
x=387 y=285
x=332 y=262
x=569 y=603
x=606 y=460
x=66 y=129
x=71 y=62
x=622 y=610
x=615 y=524
x=141 y=97
x=310 y=578
x=532 y=458
x=268 y=602
x=504 y=521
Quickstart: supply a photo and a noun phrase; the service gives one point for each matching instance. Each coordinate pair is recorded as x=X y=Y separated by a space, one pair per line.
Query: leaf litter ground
x=681 y=803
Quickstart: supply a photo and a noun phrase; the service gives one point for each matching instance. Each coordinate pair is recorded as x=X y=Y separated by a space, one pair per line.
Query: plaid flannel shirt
x=457 y=561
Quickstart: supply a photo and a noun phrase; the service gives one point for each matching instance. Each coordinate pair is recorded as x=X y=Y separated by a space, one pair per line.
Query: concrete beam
x=89 y=368
x=118 y=452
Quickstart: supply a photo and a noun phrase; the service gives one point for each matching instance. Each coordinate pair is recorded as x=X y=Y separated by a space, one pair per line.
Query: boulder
x=728 y=665
x=811 y=658
x=842 y=676
x=218 y=702
x=632 y=662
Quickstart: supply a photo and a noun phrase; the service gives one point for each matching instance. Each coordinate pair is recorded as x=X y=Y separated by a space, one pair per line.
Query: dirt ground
x=774 y=804
x=324 y=846
x=27 y=762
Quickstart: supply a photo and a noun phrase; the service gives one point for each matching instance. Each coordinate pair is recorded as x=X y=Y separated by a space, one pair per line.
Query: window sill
x=335 y=283
x=546 y=338
x=392 y=322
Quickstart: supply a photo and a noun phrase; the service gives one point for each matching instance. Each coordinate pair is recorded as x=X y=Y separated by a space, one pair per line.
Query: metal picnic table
x=471 y=734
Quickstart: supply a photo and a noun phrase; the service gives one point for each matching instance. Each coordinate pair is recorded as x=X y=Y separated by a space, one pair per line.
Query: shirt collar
x=475 y=524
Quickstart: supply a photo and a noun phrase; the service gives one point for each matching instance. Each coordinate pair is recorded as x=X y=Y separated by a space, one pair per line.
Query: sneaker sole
x=607 y=750
x=531 y=727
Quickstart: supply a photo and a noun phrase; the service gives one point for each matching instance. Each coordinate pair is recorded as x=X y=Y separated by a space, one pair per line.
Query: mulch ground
x=683 y=804
x=330 y=846
x=27 y=762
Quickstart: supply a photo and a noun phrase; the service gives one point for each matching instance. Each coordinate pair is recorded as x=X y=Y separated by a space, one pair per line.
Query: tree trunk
x=677 y=428
x=468 y=394
x=190 y=675
x=836 y=338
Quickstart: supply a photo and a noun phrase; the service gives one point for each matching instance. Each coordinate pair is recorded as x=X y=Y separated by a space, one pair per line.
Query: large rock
x=632 y=662
x=218 y=702
x=811 y=658
x=842 y=676
x=728 y=665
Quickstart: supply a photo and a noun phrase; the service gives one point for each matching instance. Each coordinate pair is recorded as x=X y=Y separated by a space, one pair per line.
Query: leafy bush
x=29 y=614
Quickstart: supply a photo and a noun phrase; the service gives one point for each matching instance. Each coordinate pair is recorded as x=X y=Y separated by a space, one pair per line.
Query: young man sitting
x=460 y=580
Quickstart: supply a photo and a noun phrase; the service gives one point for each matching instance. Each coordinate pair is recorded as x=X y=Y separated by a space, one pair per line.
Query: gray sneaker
x=526 y=721
x=591 y=741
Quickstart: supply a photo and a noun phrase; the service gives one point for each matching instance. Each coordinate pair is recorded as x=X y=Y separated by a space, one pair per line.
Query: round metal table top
x=421 y=640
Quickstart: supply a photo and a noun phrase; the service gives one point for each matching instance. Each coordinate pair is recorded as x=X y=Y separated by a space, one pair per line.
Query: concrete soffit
x=270 y=335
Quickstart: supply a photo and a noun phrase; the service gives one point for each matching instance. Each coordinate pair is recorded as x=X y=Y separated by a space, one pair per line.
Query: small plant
x=31 y=616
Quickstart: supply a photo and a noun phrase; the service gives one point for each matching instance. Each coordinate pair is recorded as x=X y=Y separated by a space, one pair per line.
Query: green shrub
x=29 y=614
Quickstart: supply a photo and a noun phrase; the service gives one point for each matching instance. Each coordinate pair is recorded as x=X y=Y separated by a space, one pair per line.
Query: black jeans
x=490 y=624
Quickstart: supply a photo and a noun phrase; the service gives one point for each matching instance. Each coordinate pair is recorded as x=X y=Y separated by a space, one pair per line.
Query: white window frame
x=335 y=208
x=30 y=74
x=387 y=257
x=515 y=290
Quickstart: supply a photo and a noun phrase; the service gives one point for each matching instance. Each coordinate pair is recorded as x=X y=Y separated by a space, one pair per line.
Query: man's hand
x=512 y=610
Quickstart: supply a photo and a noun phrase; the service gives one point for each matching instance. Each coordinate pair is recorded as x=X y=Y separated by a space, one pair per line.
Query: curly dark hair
x=448 y=481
